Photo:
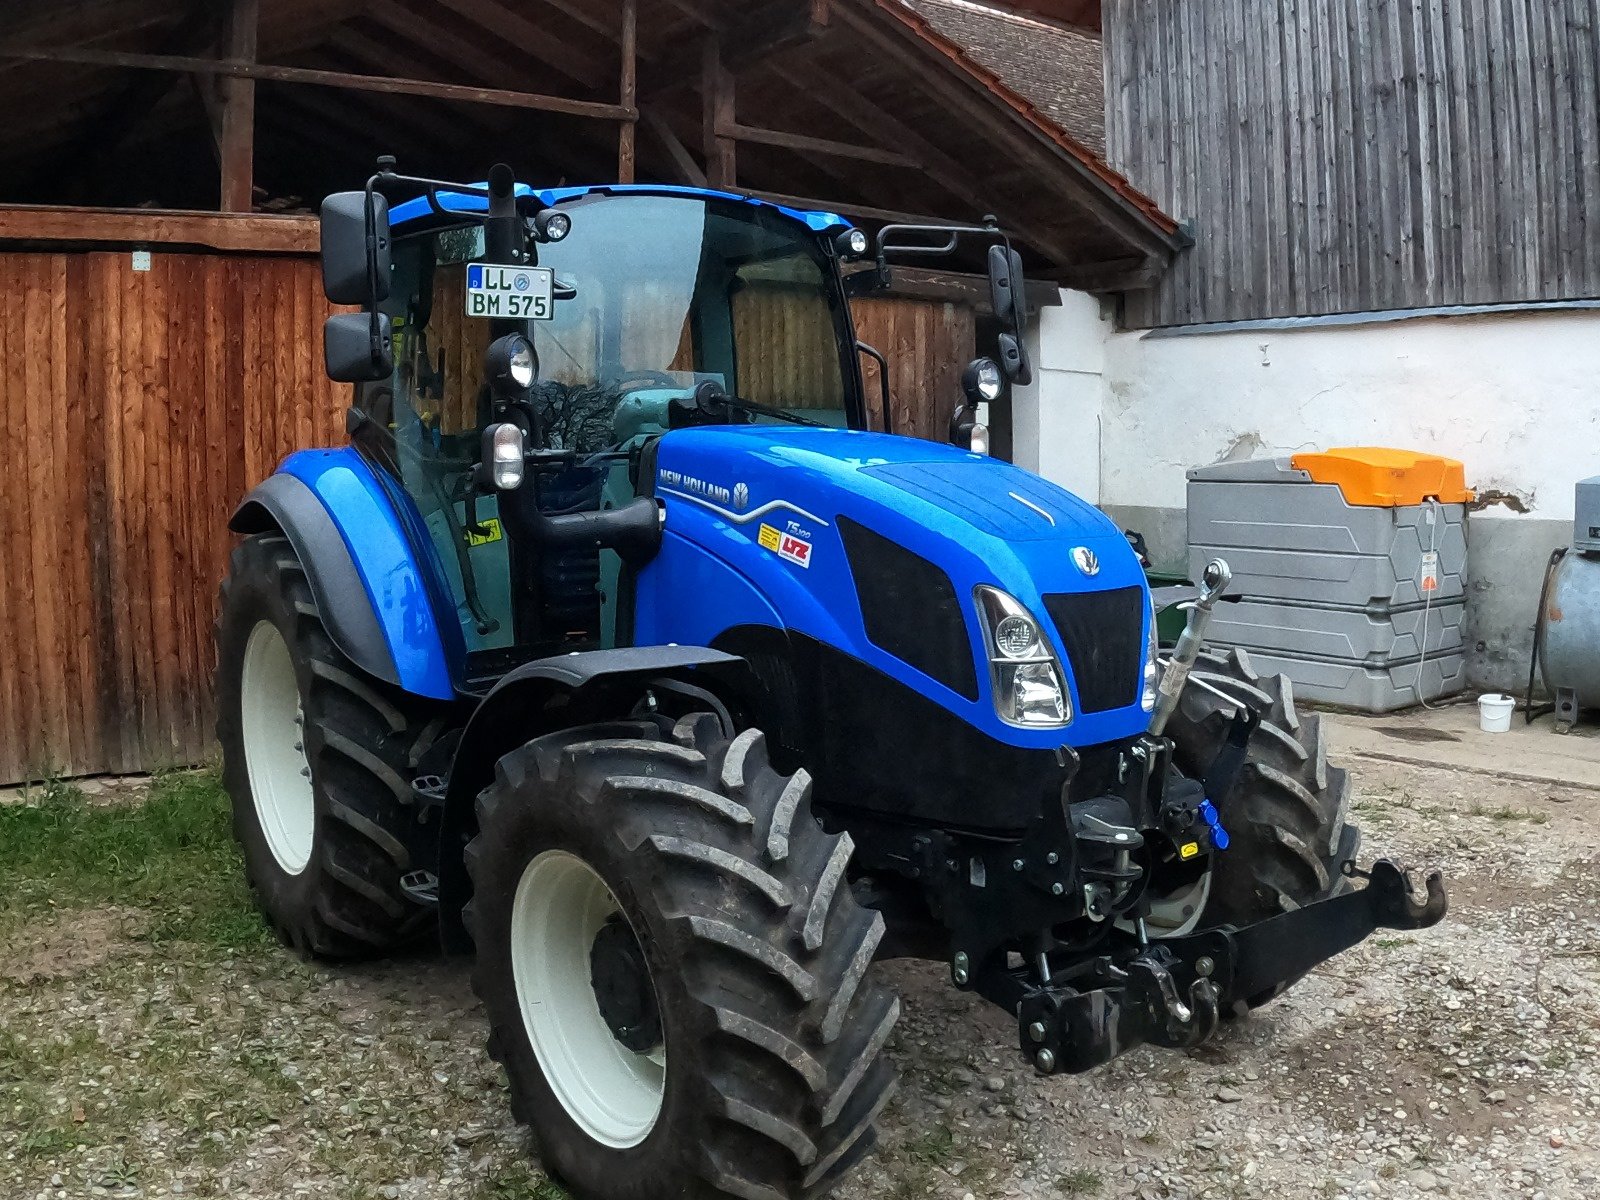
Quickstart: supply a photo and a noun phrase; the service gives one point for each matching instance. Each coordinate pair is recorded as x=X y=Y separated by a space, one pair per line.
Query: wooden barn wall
x=928 y=344
x=139 y=407
x=1358 y=155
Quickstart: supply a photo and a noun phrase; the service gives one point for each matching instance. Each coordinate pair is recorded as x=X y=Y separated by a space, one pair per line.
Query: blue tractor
x=617 y=650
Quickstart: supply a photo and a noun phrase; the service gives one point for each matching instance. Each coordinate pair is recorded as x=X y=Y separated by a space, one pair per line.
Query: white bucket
x=1494 y=712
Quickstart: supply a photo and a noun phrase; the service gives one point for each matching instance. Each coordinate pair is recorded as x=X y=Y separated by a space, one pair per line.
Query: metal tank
x=1568 y=637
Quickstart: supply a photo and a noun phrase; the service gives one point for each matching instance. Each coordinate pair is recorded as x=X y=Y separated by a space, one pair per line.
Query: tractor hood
x=842 y=534
x=987 y=494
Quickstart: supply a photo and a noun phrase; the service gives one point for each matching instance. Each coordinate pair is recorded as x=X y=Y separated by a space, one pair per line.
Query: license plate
x=513 y=293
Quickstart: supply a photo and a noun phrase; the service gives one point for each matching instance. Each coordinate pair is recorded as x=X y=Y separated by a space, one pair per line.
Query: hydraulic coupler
x=1212 y=584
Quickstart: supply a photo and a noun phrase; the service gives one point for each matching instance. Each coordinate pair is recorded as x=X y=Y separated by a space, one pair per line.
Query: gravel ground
x=1461 y=1060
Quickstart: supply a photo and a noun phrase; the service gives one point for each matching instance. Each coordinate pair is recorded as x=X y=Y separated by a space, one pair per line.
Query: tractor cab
x=537 y=343
x=620 y=303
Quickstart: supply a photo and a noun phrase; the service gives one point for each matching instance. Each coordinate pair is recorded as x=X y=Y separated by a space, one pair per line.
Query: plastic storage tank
x=1351 y=567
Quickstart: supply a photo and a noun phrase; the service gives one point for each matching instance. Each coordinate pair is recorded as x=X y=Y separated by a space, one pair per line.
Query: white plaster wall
x=1056 y=419
x=1516 y=397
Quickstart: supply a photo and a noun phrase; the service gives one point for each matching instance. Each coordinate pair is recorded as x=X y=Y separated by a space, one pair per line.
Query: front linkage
x=1172 y=993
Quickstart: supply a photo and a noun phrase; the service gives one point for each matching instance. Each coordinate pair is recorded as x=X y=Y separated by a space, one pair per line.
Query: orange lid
x=1376 y=477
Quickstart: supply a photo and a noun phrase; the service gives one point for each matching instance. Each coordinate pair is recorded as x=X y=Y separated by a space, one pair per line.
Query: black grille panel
x=909 y=608
x=1103 y=635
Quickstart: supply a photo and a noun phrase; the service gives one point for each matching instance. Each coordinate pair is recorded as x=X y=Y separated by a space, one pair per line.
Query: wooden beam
x=70 y=173
x=846 y=208
x=1031 y=143
x=232 y=69
x=1114 y=275
x=835 y=93
x=689 y=171
x=237 y=145
x=959 y=287
x=744 y=45
x=582 y=12
x=516 y=34
x=248 y=233
x=627 y=131
x=716 y=91
x=800 y=141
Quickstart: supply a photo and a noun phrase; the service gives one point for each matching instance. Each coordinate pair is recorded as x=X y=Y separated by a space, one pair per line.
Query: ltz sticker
x=787 y=546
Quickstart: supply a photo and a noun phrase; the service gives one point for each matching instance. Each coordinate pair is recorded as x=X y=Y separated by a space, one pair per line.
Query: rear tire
x=1288 y=813
x=318 y=759
x=770 y=1048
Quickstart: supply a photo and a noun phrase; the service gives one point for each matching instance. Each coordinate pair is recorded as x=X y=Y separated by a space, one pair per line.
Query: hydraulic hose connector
x=1212 y=584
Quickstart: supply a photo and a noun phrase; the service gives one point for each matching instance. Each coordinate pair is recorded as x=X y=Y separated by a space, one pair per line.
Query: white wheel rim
x=1178 y=912
x=612 y=1093
x=275 y=759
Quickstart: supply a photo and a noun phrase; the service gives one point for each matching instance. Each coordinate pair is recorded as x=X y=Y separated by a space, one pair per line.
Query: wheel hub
x=622 y=988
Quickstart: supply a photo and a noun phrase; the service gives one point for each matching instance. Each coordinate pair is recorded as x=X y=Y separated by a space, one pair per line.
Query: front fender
x=551 y=694
x=366 y=580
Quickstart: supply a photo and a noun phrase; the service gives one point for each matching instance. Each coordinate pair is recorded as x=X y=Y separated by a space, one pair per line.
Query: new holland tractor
x=616 y=650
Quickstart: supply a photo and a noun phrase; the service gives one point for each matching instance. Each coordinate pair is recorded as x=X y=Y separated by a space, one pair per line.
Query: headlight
x=1152 y=650
x=509 y=362
x=982 y=381
x=852 y=243
x=551 y=226
x=1023 y=672
x=521 y=365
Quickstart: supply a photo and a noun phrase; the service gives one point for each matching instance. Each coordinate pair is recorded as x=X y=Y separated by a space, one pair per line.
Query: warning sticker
x=1430 y=570
x=491 y=533
x=786 y=546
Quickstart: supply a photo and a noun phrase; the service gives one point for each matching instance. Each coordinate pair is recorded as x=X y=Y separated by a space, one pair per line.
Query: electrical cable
x=1436 y=513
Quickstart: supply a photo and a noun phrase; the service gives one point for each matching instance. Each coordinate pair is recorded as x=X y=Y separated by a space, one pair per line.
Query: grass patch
x=173 y=857
x=933 y=1147
x=1393 y=943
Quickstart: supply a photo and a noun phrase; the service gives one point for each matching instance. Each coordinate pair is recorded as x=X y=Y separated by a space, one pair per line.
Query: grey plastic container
x=1586 y=525
x=1349 y=635
x=1362 y=687
x=1289 y=538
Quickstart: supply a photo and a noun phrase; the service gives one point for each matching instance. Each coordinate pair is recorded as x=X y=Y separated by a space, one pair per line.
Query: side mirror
x=1014 y=359
x=347 y=272
x=1005 y=285
x=1010 y=303
x=353 y=353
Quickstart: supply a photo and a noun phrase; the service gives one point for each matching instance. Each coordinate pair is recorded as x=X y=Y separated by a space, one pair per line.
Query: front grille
x=1103 y=636
x=909 y=608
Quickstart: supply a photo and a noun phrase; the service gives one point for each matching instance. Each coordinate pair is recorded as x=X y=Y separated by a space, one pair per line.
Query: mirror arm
x=376 y=327
x=876 y=356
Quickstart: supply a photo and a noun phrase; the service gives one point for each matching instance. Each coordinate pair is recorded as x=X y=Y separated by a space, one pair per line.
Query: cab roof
x=418 y=210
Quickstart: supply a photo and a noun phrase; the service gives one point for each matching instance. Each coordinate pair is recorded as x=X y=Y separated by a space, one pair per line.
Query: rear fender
x=364 y=576
x=547 y=696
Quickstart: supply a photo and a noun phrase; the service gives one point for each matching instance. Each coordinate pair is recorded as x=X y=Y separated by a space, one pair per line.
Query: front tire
x=318 y=760
x=704 y=1028
x=1288 y=813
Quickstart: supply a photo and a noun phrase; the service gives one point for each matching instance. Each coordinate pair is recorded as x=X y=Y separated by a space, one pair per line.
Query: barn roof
x=1057 y=68
x=860 y=106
